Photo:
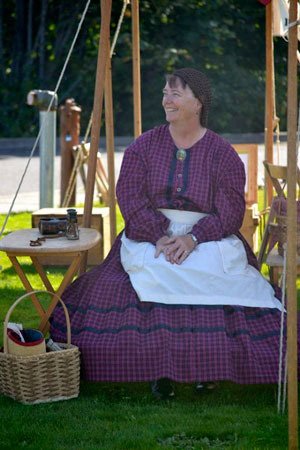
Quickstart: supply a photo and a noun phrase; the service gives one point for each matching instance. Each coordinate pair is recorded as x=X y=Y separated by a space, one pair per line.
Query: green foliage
x=225 y=38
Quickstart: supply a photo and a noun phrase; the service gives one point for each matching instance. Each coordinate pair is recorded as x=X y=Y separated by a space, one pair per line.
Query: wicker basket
x=42 y=378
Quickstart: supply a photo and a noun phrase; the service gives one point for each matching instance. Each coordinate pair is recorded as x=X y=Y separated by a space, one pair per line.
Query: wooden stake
x=110 y=148
x=69 y=137
x=137 y=111
x=269 y=99
x=292 y=102
x=292 y=307
x=103 y=55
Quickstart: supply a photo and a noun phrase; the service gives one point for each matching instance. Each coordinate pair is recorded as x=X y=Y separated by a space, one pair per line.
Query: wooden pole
x=269 y=99
x=137 y=111
x=292 y=103
x=103 y=55
x=69 y=137
x=110 y=148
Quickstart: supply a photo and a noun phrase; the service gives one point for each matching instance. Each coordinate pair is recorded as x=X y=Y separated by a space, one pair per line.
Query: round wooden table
x=17 y=244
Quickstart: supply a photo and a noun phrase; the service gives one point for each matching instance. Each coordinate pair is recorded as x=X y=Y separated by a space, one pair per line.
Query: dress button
x=179 y=175
x=178 y=189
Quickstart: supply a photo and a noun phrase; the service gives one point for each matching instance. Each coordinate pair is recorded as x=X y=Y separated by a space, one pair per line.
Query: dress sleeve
x=228 y=203
x=142 y=221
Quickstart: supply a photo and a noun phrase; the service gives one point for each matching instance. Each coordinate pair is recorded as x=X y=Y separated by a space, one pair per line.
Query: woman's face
x=180 y=104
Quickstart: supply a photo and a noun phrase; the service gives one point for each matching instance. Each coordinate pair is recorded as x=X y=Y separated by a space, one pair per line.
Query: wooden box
x=99 y=221
x=250 y=227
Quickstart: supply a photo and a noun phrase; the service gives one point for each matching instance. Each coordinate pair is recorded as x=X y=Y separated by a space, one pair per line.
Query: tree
x=225 y=38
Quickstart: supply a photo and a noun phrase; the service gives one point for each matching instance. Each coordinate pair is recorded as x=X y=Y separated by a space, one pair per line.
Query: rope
x=43 y=121
x=88 y=130
x=276 y=119
x=281 y=403
x=284 y=386
x=111 y=53
x=283 y=279
x=292 y=24
x=71 y=185
x=117 y=32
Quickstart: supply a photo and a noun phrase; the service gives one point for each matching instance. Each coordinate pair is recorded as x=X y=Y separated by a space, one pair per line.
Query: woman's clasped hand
x=175 y=248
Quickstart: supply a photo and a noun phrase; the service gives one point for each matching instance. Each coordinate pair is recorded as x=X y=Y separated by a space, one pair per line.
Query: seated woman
x=179 y=296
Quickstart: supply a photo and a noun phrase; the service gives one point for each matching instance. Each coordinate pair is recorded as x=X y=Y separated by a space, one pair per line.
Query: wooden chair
x=249 y=155
x=81 y=156
x=278 y=176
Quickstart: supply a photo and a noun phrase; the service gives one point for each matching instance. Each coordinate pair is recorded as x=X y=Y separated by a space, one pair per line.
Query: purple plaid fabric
x=123 y=339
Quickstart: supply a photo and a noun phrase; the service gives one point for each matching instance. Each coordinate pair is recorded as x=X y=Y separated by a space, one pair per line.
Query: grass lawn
x=125 y=416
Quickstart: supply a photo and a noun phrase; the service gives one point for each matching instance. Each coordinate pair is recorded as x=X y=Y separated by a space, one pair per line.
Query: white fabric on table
x=215 y=273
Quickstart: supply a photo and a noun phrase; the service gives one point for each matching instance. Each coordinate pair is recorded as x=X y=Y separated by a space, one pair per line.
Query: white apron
x=215 y=273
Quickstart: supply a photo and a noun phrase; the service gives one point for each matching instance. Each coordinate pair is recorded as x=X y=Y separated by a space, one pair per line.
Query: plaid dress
x=124 y=339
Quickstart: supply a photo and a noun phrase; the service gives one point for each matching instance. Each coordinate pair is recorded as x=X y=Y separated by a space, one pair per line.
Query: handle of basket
x=8 y=314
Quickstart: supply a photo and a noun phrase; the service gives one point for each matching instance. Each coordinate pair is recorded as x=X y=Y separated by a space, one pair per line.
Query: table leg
x=27 y=285
x=40 y=270
x=69 y=275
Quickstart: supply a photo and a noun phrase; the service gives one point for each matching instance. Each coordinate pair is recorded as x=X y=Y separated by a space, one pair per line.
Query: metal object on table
x=72 y=231
x=52 y=225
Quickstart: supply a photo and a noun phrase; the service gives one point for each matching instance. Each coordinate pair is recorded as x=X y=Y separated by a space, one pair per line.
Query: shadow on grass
x=226 y=393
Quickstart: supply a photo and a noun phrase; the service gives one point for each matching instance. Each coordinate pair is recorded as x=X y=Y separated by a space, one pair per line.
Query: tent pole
x=269 y=100
x=292 y=103
x=110 y=148
x=136 y=68
x=103 y=55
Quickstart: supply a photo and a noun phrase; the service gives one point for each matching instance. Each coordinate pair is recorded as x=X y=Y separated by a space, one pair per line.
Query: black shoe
x=162 y=389
x=207 y=386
